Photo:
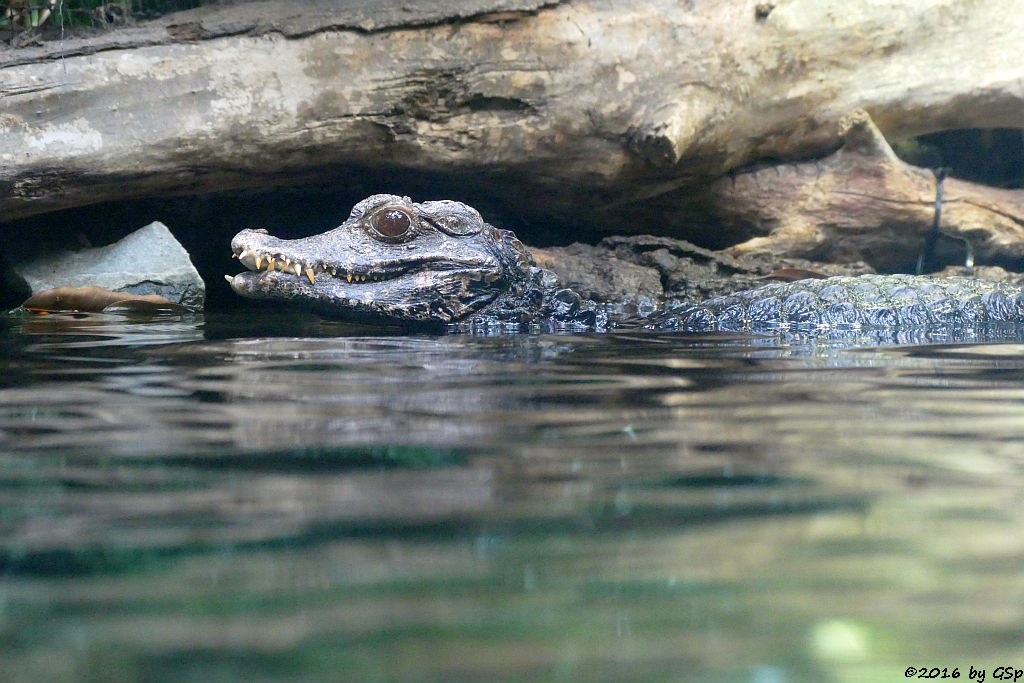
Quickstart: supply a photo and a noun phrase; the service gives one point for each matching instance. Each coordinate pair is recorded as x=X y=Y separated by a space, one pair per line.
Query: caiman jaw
x=271 y=260
x=256 y=260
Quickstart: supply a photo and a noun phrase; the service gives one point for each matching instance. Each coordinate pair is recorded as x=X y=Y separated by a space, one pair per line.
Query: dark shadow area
x=992 y=156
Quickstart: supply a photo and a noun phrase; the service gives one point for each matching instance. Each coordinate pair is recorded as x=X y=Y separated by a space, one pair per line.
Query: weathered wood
x=590 y=106
x=864 y=204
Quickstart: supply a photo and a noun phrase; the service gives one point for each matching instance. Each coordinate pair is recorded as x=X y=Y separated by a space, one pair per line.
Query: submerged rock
x=148 y=261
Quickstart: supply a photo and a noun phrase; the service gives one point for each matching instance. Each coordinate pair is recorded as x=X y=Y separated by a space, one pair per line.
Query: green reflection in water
x=187 y=506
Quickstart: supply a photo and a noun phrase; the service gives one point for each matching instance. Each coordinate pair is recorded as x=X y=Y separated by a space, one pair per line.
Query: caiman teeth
x=254 y=260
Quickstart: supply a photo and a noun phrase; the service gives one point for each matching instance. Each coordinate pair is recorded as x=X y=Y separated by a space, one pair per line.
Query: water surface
x=231 y=497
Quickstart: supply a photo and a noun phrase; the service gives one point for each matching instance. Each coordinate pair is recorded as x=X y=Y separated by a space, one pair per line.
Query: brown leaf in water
x=93 y=299
x=793 y=274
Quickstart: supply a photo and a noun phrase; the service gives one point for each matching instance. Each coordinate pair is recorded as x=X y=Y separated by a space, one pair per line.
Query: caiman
x=439 y=263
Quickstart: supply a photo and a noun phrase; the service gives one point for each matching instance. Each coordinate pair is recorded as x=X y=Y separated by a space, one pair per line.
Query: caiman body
x=438 y=263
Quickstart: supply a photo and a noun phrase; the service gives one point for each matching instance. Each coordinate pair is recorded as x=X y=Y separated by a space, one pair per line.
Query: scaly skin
x=866 y=301
x=438 y=263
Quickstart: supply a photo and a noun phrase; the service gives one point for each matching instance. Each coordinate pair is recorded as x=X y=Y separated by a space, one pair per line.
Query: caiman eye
x=392 y=222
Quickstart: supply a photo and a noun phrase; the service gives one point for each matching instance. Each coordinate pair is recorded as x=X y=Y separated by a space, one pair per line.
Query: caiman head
x=392 y=261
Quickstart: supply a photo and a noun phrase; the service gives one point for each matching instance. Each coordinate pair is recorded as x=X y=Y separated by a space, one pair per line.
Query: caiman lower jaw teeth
x=287 y=265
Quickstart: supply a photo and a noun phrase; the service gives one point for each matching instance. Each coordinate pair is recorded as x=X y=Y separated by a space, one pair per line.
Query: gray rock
x=148 y=261
x=595 y=273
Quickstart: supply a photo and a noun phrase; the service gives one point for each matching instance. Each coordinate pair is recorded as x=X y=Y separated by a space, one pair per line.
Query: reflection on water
x=218 y=498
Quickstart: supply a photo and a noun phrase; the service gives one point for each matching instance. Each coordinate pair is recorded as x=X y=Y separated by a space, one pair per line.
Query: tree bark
x=593 y=107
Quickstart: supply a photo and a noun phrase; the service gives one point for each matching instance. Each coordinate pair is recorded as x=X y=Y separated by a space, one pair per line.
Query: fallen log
x=618 y=114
